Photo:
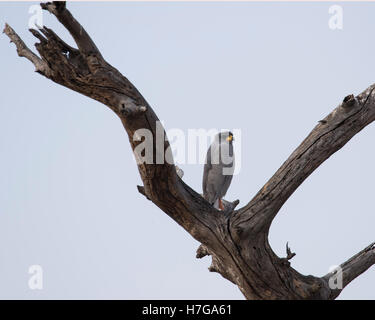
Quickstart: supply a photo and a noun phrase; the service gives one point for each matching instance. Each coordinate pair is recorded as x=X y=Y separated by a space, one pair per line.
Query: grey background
x=68 y=197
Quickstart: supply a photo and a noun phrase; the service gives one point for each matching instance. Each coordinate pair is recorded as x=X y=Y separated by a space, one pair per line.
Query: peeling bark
x=237 y=240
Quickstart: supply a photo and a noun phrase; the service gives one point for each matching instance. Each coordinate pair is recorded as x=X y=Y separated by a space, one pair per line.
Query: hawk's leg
x=221 y=206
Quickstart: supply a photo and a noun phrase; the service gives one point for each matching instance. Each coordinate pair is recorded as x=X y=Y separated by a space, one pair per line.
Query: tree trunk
x=237 y=240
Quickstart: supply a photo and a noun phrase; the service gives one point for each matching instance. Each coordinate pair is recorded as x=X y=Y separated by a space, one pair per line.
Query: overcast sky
x=68 y=196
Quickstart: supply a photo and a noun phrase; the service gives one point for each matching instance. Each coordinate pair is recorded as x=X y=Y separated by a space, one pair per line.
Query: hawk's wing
x=206 y=169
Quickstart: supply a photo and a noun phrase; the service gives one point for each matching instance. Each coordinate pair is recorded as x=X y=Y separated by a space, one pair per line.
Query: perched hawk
x=218 y=169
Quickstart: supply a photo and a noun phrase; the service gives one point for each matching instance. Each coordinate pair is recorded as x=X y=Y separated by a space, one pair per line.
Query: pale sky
x=68 y=196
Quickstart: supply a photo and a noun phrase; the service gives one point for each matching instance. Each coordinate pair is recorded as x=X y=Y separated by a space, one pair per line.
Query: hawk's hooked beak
x=230 y=138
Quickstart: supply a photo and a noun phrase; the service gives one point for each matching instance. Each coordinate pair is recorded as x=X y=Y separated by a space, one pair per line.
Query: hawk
x=218 y=169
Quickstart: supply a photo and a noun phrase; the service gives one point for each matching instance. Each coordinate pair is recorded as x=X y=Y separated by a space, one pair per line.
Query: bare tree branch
x=23 y=51
x=326 y=138
x=353 y=268
x=85 y=44
x=237 y=241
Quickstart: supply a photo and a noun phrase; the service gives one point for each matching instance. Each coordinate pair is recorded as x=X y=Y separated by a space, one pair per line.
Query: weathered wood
x=237 y=240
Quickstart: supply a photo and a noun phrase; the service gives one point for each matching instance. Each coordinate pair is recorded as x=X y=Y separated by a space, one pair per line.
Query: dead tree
x=237 y=240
